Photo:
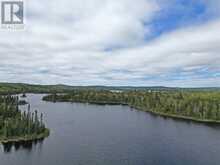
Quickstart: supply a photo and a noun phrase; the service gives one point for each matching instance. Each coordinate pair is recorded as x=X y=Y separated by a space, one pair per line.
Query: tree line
x=198 y=105
x=16 y=124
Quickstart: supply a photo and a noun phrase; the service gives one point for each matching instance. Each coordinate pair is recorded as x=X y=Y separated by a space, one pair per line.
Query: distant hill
x=6 y=88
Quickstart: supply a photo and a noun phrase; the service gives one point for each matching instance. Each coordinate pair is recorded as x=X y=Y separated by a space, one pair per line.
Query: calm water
x=84 y=134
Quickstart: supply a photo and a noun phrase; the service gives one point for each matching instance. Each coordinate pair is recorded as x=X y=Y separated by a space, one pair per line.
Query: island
x=22 y=102
x=18 y=126
x=23 y=95
x=199 y=106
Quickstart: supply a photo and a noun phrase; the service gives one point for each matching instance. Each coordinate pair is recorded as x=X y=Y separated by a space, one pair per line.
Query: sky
x=115 y=42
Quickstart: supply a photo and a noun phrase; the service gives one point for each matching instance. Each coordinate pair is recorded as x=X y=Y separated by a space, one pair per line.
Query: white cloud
x=64 y=42
x=89 y=24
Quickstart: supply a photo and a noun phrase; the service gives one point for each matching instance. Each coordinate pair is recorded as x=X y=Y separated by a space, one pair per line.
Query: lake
x=84 y=134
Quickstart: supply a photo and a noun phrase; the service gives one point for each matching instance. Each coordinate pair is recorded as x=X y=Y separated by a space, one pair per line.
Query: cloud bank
x=109 y=42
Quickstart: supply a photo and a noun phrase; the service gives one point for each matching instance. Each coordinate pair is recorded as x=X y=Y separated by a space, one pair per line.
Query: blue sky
x=178 y=14
x=115 y=42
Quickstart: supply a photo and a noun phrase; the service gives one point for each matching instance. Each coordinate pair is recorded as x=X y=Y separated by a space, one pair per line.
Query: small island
x=199 y=106
x=22 y=102
x=23 y=95
x=17 y=126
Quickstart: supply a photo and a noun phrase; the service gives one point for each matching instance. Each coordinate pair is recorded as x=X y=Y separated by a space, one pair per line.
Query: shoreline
x=179 y=117
x=173 y=116
x=43 y=135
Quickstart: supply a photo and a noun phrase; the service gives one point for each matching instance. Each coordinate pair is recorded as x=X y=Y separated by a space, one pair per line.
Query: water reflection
x=23 y=145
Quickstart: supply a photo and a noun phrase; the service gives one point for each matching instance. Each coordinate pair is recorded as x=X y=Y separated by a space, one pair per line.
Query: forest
x=15 y=88
x=202 y=106
x=16 y=125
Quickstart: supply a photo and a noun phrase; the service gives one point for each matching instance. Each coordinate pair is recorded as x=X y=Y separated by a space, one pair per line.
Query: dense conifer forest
x=194 y=105
x=13 y=88
x=19 y=126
